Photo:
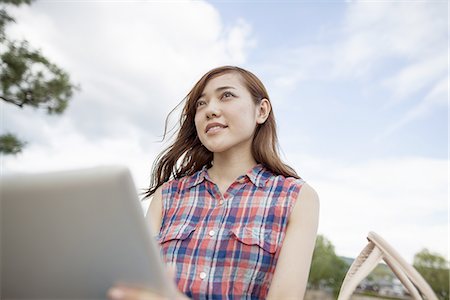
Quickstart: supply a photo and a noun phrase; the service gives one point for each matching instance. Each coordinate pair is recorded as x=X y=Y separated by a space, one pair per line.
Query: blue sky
x=359 y=90
x=287 y=27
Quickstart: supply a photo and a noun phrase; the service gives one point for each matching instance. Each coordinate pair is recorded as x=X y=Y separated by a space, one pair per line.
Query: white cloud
x=402 y=199
x=433 y=100
x=68 y=149
x=417 y=76
x=372 y=35
x=239 y=40
x=133 y=61
x=401 y=29
x=393 y=53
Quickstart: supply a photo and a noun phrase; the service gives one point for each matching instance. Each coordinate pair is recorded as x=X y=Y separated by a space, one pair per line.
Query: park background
x=359 y=90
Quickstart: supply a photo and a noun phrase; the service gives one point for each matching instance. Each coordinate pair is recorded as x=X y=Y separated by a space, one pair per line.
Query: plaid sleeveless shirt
x=226 y=246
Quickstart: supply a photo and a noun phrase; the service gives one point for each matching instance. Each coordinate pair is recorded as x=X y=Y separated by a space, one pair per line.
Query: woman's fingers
x=172 y=271
x=125 y=293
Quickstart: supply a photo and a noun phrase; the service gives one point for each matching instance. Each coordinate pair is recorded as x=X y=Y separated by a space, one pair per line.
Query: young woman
x=234 y=220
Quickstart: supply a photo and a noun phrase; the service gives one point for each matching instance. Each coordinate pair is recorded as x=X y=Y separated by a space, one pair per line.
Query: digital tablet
x=75 y=234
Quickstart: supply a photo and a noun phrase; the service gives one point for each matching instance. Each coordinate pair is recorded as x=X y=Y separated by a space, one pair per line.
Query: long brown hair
x=186 y=155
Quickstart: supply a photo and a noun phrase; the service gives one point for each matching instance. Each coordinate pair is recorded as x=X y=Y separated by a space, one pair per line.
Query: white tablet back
x=74 y=234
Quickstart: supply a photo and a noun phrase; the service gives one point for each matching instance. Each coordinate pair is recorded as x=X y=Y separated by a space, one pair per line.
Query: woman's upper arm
x=154 y=212
x=294 y=261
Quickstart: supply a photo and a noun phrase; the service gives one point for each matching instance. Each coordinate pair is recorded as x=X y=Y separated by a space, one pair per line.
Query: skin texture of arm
x=291 y=273
x=154 y=213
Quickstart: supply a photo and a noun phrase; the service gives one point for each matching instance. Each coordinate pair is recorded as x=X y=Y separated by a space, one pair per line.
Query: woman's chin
x=229 y=146
x=216 y=148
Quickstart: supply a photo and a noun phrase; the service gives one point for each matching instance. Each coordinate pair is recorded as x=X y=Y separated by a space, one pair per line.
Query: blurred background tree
x=27 y=78
x=435 y=270
x=327 y=269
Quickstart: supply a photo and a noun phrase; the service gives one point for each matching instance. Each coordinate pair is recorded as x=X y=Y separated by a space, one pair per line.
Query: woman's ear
x=264 y=108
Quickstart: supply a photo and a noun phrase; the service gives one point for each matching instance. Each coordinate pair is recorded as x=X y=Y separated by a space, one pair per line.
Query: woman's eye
x=227 y=95
x=200 y=103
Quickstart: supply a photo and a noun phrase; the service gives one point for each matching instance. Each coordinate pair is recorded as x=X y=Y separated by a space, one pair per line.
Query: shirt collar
x=197 y=177
x=258 y=175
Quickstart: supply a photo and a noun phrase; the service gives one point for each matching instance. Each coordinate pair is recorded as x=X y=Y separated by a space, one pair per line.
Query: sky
x=359 y=90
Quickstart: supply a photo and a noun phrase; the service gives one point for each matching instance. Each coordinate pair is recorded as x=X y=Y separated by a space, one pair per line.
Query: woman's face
x=226 y=115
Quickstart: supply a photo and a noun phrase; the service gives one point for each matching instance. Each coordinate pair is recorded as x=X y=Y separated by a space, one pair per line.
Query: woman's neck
x=227 y=168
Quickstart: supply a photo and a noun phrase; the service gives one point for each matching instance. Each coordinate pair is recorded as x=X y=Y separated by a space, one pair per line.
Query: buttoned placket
x=212 y=233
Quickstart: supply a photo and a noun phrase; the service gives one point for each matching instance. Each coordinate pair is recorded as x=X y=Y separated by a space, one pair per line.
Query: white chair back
x=376 y=250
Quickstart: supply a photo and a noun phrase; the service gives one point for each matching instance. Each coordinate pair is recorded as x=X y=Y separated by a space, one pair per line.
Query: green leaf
x=10 y=144
x=28 y=78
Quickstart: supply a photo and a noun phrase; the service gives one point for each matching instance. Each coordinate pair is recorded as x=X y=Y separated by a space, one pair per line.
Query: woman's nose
x=212 y=110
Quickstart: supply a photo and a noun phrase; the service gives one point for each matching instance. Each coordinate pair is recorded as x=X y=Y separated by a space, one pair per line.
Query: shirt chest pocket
x=177 y=232
x=254 y=234
x=177 y=244
x=254 y=254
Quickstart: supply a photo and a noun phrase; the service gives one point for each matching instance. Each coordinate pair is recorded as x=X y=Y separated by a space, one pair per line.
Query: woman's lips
x=214 y=127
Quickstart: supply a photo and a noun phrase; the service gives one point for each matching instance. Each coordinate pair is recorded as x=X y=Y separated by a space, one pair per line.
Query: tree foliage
x=327 y=269
x=43 y=85
x=10 y=144
x=435 y=270
x=28 y=78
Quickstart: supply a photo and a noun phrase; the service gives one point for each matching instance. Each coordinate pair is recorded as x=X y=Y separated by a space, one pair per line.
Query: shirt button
x=202 y=275
x=212 y=233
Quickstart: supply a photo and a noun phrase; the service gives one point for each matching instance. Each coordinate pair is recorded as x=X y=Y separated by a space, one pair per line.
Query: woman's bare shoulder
x=308 y=193
x=307 y=204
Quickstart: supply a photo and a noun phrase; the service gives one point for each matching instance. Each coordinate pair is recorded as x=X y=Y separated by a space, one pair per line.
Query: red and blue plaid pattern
x=226 y=246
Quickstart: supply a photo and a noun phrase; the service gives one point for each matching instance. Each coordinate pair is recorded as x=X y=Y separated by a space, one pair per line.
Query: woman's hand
x=127 y=293
x=121 y=292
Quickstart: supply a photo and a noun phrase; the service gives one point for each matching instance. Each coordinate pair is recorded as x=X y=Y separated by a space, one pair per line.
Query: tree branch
x=15 y=102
